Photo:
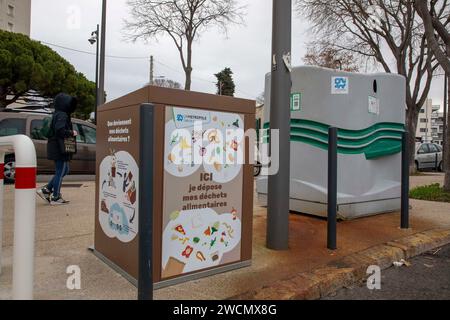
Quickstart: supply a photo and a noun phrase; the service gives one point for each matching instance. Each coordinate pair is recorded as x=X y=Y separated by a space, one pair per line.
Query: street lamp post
x=101 y=80
x=92 y=40
x=280 y=118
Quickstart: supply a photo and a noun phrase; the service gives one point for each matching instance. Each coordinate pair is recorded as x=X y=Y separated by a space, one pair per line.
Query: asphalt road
x=428 y=278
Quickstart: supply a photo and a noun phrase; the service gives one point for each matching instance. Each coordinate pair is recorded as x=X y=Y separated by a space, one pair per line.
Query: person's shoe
x=44 y=194
x=58 y=201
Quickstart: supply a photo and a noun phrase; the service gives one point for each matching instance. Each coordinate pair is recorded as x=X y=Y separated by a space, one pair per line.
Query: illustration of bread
x=217 y=166
x=174 y=267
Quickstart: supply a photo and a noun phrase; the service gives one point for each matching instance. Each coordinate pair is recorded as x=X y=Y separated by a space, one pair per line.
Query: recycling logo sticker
x=339 y=85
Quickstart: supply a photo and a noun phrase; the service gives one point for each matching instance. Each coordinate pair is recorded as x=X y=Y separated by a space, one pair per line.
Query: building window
x=423 y=120
x=10 y=27
x=422 y=110
x=423 y=130
x=10 y=10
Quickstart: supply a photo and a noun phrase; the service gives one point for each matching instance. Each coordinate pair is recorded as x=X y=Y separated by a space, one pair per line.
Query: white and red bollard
x=24 y=212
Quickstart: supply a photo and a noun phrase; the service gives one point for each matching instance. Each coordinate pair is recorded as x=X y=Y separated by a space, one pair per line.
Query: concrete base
x=347 y=211
x=172 y=282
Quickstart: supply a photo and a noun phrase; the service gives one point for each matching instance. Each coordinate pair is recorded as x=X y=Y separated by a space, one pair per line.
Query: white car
x=428 y=156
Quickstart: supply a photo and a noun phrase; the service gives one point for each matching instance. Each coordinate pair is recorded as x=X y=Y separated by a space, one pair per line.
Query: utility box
x=173 y=154
x=369 y=112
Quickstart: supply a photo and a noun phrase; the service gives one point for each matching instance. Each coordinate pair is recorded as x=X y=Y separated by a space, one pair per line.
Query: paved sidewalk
x=426 y=178
x=428 y=277
x=64 y=233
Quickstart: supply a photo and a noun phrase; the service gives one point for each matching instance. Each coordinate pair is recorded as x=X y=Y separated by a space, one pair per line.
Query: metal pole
x=145 y=276
x=96 y=73
x=280 y=118
x=332 y=188
x=436 y=162
x=151 y=70
x=444 y=132
x=405 y=183
x=101 y=81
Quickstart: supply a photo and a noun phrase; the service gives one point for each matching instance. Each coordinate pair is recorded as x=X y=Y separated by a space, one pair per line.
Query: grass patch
x=432 y=192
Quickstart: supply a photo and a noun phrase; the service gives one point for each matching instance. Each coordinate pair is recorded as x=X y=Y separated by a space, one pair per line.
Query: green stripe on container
x=379 y=140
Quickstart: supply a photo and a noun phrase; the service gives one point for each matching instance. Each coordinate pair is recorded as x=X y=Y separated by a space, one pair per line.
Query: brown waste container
x=201 y=209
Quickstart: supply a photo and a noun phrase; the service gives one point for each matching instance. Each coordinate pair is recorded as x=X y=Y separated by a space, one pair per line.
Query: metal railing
x=332 y=186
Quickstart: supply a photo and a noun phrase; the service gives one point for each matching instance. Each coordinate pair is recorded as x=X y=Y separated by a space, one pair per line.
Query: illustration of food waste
x=198 y=239
x=118 y=212
x=203 y=183
x=217 y=144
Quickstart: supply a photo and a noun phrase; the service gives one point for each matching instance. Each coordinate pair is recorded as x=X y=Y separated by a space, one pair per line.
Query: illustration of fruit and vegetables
x=218 y=147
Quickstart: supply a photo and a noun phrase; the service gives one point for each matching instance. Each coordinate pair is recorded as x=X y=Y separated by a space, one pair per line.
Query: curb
x=349 y=270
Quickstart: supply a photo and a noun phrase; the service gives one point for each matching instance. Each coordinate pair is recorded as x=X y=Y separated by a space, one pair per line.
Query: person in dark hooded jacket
x=61 y=128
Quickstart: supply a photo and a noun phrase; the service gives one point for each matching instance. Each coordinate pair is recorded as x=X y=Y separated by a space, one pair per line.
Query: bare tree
x=436 y=19
x=181 y=20
x=166 y=83
x=388 y=32
x=329 y=57
x=260 y=98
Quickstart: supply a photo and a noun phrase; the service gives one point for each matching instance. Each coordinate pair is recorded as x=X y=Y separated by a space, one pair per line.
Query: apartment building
x=437 y=127
x=424 y=131
x=15 y=16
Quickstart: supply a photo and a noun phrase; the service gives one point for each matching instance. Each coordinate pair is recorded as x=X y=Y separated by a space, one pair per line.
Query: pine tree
x=225 y=84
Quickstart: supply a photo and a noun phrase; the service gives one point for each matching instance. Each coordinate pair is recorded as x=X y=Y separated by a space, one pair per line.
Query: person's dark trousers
x=62 y=169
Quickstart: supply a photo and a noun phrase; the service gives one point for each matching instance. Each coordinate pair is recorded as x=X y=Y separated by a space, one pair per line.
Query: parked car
x=31 y=124
x=428 y=156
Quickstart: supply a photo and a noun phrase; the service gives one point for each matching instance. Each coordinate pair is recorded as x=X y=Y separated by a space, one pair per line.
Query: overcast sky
x=246 y=49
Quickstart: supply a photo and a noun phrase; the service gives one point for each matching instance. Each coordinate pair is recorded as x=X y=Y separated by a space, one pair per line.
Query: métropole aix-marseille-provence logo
x=180 y=117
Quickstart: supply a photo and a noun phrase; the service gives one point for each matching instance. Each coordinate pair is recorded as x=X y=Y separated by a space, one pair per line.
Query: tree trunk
x=188 y=70
x=187 y=84
x=441 y=57
x=412 y=116
x=447 y=139
x=3 y=102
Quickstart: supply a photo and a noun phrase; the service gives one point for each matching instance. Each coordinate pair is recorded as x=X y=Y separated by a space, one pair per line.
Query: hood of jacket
x=65 y=103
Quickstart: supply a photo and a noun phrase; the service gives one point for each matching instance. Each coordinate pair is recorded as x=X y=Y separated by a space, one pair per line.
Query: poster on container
x=203 y=187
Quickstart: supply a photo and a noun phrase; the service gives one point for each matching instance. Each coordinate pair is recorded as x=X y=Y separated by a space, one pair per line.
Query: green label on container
x=296 y=102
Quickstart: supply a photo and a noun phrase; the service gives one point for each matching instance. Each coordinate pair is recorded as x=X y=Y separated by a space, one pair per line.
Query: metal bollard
x=405 y=183
x=24 y=213
x=332 y=188
x=145 y=276
x=436 y=164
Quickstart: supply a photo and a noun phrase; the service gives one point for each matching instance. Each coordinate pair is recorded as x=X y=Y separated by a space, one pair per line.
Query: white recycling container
x=369 y=112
